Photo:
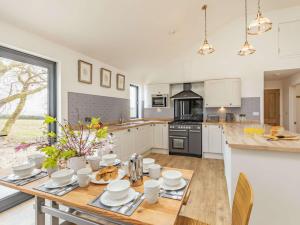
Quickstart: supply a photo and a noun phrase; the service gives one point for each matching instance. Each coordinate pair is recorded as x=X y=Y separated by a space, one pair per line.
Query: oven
x=178 y=141
x=159 y=100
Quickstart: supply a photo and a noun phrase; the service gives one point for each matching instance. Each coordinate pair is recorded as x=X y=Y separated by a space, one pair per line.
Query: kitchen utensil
x=94 y=162
x=154 y=171
x=146 y=163
x=84 y=177
x=135 y=167
x=151 y=191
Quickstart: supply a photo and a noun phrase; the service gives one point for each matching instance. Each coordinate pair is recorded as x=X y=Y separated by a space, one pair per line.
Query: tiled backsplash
x=249 y=106
x=110 y=109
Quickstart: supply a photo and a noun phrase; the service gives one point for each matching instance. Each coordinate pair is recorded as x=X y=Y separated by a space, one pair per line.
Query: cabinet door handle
x=128 y=130
x=195 y=131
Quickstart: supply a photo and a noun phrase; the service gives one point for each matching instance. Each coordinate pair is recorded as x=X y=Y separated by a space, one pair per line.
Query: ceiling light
x=260 y=24
x=247 y=49
x=206 y=47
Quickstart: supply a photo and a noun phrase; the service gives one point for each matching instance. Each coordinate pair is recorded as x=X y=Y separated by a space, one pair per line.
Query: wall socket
x=255 y=113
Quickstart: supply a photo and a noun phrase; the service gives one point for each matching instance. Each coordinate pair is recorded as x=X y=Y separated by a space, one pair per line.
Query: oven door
x=178 y=143
x=159 y=101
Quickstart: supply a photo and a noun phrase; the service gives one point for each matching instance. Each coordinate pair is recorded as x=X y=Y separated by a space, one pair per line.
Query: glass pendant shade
x=259 y=25
x=206 y=48
x=247 y=49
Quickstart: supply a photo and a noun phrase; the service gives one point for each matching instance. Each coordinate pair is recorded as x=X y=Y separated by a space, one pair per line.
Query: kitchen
x=201 y=116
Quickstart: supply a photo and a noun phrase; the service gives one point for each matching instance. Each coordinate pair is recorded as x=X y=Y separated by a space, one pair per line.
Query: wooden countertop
x=236 y=138
x=164 y=212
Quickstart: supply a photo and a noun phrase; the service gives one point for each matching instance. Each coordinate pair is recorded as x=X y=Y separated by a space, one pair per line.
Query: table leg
x=54 y=220
x=39 y=215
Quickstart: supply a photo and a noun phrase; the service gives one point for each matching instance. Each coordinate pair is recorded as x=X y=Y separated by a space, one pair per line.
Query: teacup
x=151 y=190
x=171 y=177
x=84 y=177
x=154 y=171
x=63 y=176
x=94 y=162
x=118 y=189
x=109 y=159
x=146 y=163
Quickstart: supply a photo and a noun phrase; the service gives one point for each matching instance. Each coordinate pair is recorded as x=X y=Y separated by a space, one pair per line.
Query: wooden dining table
x=79 y=212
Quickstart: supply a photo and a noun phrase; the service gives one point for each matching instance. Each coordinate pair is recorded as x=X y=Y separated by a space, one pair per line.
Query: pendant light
x=206 y=47
x=247 y=49
x=260 y=24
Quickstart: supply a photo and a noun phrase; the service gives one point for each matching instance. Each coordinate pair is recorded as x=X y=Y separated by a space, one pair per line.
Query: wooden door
x=272 y=107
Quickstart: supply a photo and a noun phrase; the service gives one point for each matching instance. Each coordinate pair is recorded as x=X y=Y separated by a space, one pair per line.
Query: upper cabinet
x=155 y=89
x=222 y=93
x=288 y=38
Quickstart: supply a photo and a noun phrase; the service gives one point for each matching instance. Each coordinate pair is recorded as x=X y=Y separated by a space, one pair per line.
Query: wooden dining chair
x=182 y=220
x=242 y=202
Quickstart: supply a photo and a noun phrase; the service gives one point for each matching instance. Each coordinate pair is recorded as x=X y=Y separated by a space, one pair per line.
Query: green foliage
x=49 y=119
x=51 y=134
x=53 y=155
x=67 y=154
x=101 y=133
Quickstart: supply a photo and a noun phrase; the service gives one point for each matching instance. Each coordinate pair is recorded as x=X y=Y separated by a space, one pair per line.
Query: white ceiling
x=134 y=35
x=280 y=74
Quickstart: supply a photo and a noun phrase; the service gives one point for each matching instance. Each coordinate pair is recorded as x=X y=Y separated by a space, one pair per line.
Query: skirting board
x=207 y=155
x=157 y=150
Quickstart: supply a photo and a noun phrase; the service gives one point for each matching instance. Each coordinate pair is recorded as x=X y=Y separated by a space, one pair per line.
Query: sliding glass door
x=27 y=93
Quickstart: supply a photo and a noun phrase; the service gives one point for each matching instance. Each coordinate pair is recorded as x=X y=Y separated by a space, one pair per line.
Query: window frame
x=137 y=100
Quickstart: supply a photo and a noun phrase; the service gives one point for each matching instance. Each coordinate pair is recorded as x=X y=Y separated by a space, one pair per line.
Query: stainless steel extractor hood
x=187 y=93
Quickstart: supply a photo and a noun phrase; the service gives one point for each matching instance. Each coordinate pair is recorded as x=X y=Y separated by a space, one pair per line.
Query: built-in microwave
x=159 y=100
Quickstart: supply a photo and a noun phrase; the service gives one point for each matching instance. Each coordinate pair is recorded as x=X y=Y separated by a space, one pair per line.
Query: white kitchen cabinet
x=157 y=136
x=223 y=93
x=212 y=140
x=155 y=89
x=165 y=136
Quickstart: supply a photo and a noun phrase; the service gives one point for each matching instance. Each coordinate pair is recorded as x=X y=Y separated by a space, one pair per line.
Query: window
x=134 y=101
x=27 y=93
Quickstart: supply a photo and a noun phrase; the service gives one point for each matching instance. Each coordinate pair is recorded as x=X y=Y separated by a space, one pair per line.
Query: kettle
x=135 y=170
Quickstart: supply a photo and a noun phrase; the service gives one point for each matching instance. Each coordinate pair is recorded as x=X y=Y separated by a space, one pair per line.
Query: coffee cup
x=84 y=177
x=109 y=159
x=151 y=191
x=154 y=171
x=146 y=163
x=94 y=162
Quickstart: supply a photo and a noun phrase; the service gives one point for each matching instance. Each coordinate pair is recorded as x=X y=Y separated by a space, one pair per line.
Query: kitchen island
x=273 y=169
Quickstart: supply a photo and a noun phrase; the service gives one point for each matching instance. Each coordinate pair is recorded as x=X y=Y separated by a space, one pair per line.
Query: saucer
x=181 y=185
x=105 y=200
x=52 y=185
x=121 y=174
x=14 y=177
x=117 y=162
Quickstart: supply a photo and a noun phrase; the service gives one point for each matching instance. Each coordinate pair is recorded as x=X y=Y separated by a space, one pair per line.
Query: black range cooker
x=185 y=132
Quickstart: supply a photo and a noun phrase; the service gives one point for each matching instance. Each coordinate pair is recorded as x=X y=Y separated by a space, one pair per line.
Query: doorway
x=27 y=94
x=272 y=107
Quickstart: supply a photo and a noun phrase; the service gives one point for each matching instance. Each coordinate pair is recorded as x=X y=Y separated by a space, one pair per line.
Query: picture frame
x=120 y=82
x=85 y=72
x=105 y=78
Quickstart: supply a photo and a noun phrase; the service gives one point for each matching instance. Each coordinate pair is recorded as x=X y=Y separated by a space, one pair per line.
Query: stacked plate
x=118 y=193
x=172 y=180
x=24 y=171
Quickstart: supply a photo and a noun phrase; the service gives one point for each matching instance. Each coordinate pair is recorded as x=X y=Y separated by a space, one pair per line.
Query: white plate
x=51 y=184
x=105 y=200
x=14 y=177
x=181 y=185
x=121 y=174
x=117 y=162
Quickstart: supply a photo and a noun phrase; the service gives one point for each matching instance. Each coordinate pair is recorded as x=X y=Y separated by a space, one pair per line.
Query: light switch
x=255 y=113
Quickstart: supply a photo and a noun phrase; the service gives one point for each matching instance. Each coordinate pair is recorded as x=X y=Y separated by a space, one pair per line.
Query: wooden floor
x=208 y=202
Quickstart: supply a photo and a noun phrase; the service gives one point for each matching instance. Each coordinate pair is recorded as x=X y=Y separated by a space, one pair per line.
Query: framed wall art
x=120 y=82
x=105 y=78
x=85 y=72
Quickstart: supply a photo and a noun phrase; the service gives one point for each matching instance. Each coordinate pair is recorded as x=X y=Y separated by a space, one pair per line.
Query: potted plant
x=73 y=145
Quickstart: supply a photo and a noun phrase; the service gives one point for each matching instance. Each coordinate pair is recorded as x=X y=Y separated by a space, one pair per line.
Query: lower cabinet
x=212 y=141
x=140 y=139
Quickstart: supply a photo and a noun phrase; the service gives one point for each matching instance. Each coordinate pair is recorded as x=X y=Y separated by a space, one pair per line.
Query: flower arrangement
x=83 y=141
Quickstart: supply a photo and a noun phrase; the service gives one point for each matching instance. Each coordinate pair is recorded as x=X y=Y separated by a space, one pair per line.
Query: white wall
x=66 y=59
x=276 y=84
x=226 y=63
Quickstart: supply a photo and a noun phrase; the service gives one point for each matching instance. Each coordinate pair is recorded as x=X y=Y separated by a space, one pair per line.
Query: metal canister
x=135 y=169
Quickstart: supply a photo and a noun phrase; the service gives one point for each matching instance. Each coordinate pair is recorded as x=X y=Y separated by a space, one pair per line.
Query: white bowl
x=172 y=177
x=24 y=169
x=109 y=159
x=62 y=176
x=118 y=189
x=147 y=162
x=37 y=159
